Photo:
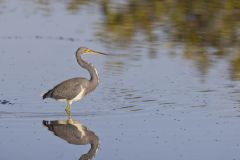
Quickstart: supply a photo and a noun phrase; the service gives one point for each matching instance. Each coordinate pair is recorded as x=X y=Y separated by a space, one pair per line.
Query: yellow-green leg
x=68 y=107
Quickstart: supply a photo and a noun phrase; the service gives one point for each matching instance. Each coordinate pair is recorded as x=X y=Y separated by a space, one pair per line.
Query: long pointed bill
x=99 y=52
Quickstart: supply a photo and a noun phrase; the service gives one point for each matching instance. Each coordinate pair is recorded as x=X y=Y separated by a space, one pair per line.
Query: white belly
x=79 y=96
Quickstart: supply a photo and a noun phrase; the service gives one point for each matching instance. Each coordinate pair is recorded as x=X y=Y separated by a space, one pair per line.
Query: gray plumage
x=75 y=133
x=67 y=89
x=74 y=89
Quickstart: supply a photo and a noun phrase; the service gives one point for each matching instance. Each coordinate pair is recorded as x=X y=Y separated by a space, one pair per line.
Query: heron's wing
x=69 y=89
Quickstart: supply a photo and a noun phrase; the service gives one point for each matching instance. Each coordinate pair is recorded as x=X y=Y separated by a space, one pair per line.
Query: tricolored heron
x=75 y=89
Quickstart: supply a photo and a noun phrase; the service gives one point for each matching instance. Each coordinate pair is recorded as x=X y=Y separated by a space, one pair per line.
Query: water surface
x=171 y=90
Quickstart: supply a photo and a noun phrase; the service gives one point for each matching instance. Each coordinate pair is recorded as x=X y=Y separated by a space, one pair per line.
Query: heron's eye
x=87 y=50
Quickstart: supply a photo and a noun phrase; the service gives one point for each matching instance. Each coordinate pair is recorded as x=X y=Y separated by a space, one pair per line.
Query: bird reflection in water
x=74 y=133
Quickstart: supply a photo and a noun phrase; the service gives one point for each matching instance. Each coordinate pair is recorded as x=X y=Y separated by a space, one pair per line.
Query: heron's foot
x=68 y=109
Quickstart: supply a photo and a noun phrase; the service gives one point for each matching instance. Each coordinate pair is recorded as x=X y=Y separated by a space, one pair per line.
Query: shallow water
x=164 y=94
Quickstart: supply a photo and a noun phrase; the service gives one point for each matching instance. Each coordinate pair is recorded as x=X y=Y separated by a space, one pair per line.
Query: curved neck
x=91 y=69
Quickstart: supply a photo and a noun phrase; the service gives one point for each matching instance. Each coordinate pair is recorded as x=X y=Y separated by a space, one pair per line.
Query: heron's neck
x=91 y=69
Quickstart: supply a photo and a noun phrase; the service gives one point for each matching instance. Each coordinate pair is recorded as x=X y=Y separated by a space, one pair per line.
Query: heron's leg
x=68 y=107
x=68 y=111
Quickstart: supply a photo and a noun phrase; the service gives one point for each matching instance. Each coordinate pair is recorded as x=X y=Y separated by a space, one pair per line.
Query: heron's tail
x=48 y=94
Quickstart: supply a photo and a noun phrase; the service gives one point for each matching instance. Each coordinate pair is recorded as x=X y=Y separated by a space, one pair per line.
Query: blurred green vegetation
x=203 y=27
x=198 y=22
x=74 y=5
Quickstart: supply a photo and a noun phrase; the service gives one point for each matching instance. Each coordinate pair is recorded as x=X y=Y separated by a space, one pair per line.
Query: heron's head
x=84 y=50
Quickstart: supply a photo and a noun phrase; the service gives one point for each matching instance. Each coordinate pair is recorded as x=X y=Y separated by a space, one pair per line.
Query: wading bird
x=75 y=89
